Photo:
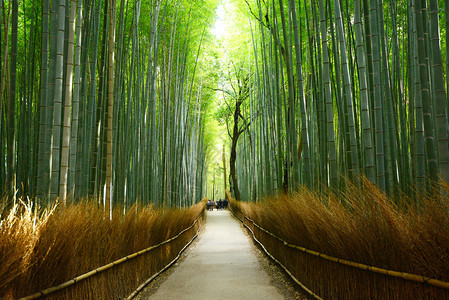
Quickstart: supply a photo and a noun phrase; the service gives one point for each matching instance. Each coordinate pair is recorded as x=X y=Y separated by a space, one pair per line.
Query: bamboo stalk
x=329 y=110
x=67 y=106
x=11 y=111
x=111 y=53
x=439 y=92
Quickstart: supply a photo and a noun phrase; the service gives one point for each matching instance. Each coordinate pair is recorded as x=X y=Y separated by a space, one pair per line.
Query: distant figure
x=225 y=203
x=209 y=205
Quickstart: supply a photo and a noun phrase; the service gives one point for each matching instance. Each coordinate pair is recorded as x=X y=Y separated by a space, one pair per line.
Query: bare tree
x=234 y=97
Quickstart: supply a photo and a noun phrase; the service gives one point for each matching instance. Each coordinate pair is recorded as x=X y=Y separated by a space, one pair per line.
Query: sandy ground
x=222 y=264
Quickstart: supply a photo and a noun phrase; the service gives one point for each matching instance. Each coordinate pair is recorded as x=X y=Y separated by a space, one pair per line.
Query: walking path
x=222 y=265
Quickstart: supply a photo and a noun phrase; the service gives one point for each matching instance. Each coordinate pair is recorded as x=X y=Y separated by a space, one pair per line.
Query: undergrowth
x=361 y=225
x=41 y=248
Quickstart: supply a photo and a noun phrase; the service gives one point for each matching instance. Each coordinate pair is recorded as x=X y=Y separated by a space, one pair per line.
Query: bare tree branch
x=220 y=90
x=256 y=17
x=227 y=104
x=244 y=128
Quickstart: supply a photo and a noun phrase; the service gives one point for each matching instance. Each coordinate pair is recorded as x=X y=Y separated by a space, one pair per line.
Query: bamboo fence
x=331 y=277
x=118 y=262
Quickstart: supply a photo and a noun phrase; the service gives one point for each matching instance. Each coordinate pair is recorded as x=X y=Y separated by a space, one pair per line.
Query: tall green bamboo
x=328 y=100
x=291 y=117
x=48 y=144
x=28 y=89
x=446 y=15
x=75 y=104
x=302 y=102
x=67 y=105
x=418 y=135
x=378 y=99
x=348 y=91
x=399 y=95
x=423 y=58
x=111 y=52
x=10 y=181
x=100 y=152
x=4 y=71
x=88 y=180
x=57 y=109
x=1 y=81
x=367 y=140
x=439 y=92
x=390 y=145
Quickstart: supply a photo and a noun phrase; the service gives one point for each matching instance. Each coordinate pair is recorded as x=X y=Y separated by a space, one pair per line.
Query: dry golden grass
x=40 y=249
x=20 y=227
x=361 y=226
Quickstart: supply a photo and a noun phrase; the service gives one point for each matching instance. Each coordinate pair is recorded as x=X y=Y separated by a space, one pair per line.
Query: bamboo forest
x=126 y=125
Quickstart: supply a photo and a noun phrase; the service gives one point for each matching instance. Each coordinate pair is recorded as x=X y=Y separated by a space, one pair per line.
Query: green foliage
x=173 y=93
x=163 y=75
x=382 y=135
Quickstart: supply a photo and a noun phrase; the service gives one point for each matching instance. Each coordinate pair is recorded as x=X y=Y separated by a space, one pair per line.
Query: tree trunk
x=224 y=170
x=233 y=180
x=235 y=135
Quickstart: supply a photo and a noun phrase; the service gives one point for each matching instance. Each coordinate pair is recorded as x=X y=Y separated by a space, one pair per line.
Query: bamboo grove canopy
x=119 y=100
x=340 y=89
x=104 y=97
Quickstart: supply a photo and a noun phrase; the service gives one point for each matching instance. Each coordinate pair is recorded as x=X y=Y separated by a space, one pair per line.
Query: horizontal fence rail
x=402 y=275
x=111 y=265
x=143 y=285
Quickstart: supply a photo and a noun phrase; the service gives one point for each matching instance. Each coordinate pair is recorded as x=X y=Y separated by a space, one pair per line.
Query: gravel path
x=223 y=264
